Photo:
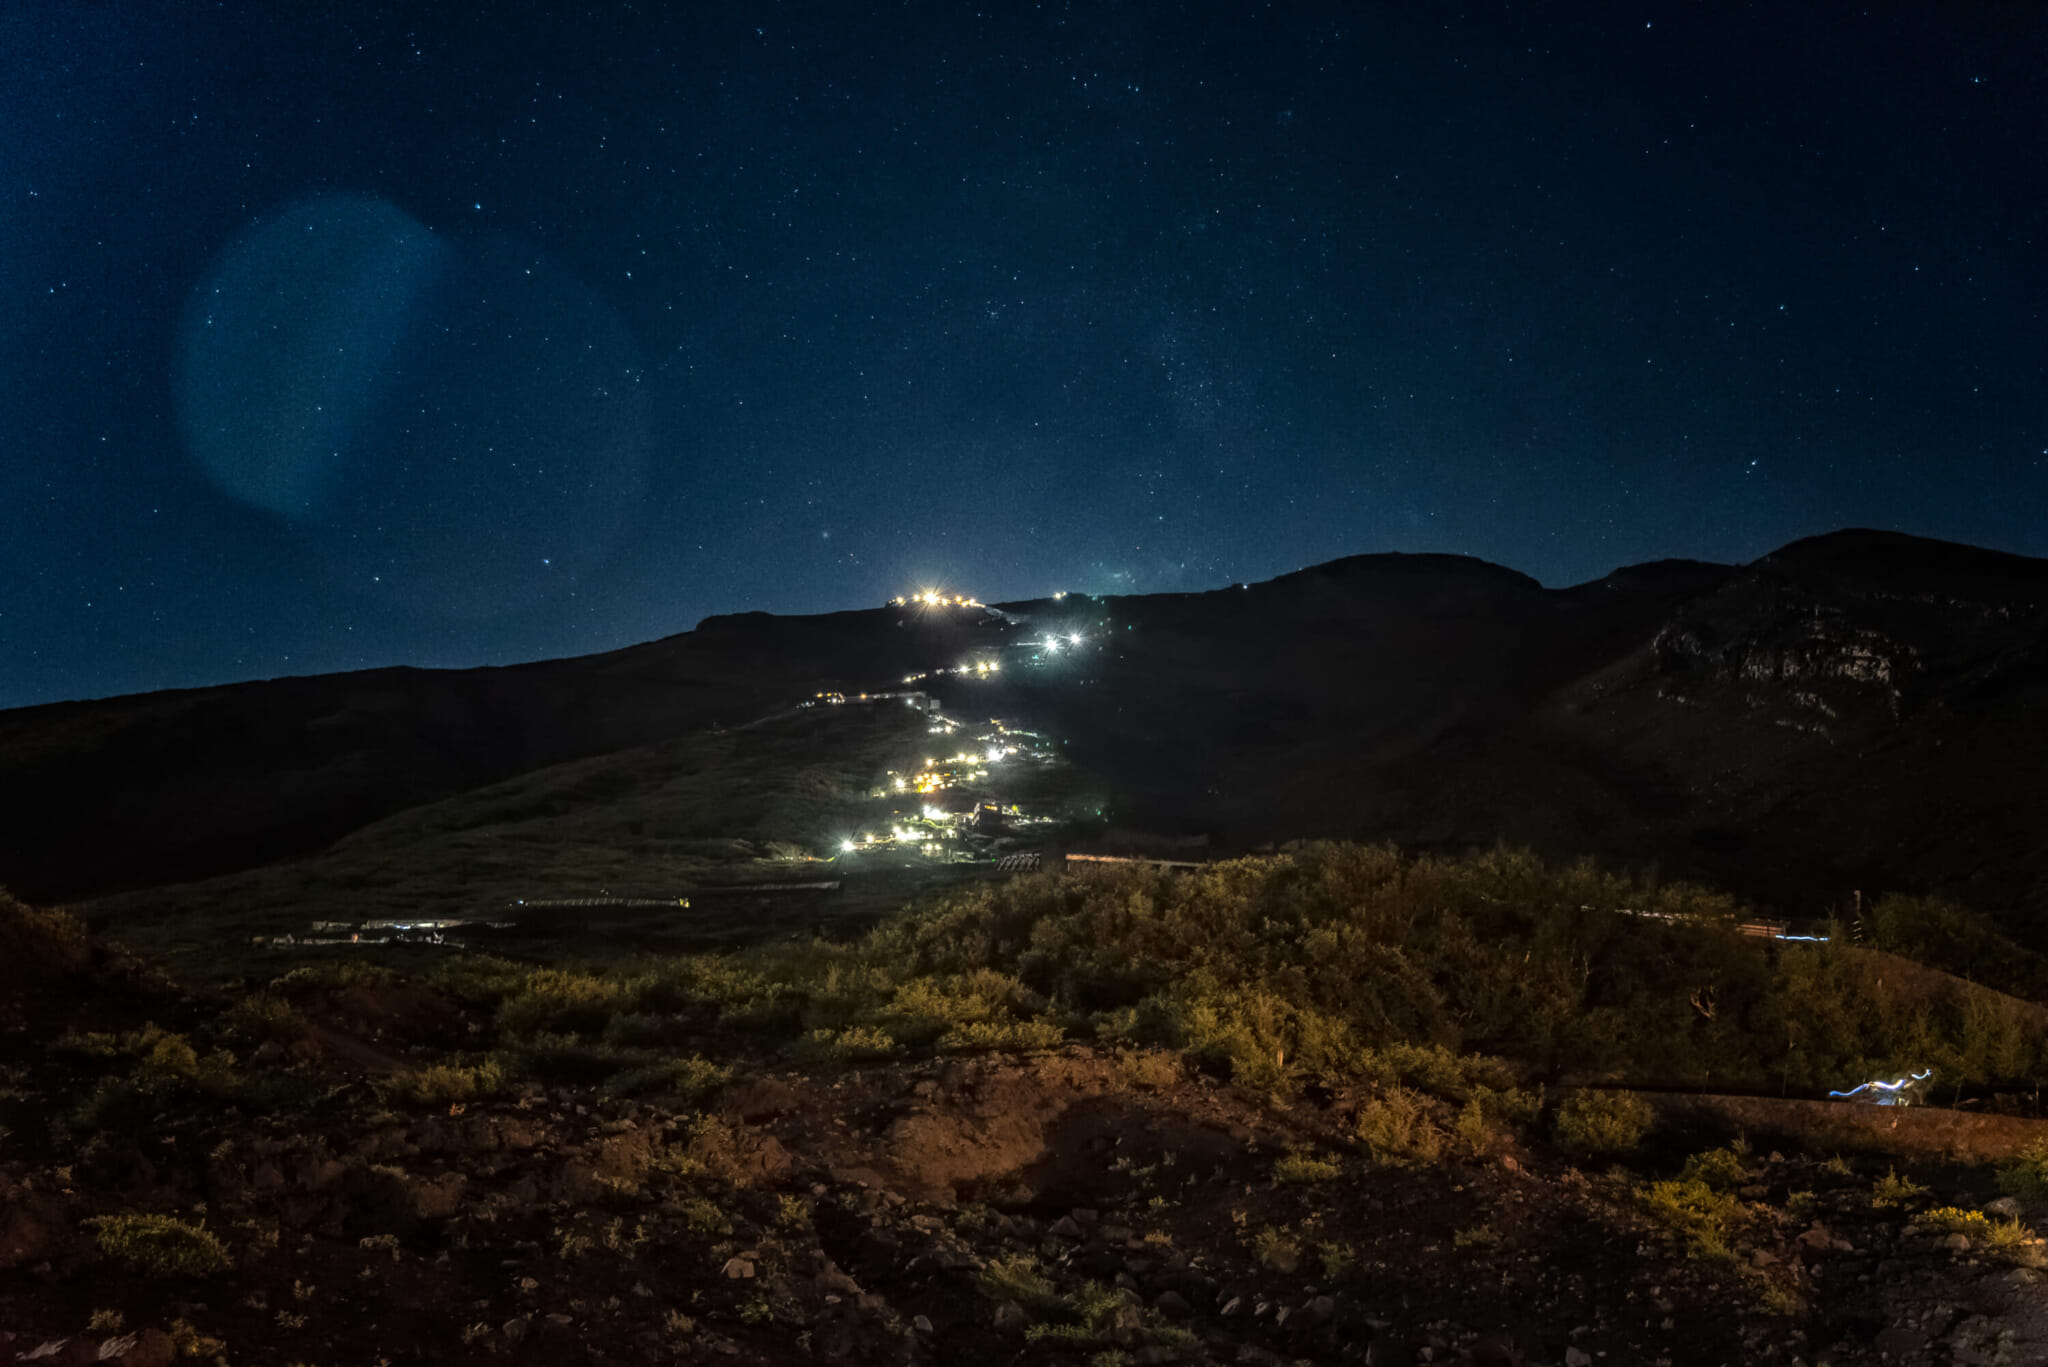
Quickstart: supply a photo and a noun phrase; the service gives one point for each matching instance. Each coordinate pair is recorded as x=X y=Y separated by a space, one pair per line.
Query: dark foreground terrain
x=1323 y=1107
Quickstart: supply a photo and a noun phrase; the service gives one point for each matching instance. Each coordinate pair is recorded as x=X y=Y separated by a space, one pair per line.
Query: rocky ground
x=282 y=1194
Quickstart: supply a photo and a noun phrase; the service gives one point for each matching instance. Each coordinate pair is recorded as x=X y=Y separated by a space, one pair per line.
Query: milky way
x=336 y=340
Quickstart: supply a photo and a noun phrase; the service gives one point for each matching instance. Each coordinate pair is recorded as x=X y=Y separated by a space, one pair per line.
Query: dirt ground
x=1076 y=1205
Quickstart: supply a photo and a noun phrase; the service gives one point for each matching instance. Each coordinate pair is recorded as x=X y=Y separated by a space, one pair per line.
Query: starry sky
x=339 y=335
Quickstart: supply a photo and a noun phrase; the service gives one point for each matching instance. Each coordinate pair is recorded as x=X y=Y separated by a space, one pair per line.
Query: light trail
x=1885 y=1093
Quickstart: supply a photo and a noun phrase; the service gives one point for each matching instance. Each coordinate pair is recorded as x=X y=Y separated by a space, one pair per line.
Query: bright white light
x=1057 y=596
x=1890 y=1087
x=1052 y=644
x=994 y=753
x=846 y=847
x=1074 y=638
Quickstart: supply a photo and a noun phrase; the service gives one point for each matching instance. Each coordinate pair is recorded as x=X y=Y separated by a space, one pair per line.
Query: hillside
x=1853 y=712
x=1317 y=1108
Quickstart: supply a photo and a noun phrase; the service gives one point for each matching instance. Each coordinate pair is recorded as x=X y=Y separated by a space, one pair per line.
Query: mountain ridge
x=1853 y=709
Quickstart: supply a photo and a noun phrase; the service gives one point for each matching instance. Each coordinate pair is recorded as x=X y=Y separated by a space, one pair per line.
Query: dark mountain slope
x=1859 y=710
x=168 y=786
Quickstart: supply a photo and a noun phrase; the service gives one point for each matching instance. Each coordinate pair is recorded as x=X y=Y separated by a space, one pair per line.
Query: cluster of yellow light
x=896 y=835
x=932 y=598
x=935 y=774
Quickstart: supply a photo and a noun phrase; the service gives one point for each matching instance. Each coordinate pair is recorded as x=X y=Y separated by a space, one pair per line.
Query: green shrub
x=1939 y=933
x=1705 y=1217
x=1487 y=1115
x=563 y=1001
x=158 y=1245
x=854 y=1044
x=1436 y=1070
x=262 y=1016
x=925 y=1011
x=38 y=945
x=1722 y=1169
x=690 y=1078
x=1397 y=1129
x=164 y=1068
x=1302 y=1166
x=1258 y=1037
x=1275 y=1249
x=443 y=1083
x=1601 y=1124
x=2004 y=1236
x=1152 y=1069
x=2026 y=1177
x=992 y=1036
x=1894 y=1190
x=1018 y=1281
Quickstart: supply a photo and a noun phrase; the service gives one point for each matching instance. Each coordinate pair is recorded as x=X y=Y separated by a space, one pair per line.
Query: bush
x=1894 y=1190
x=854 y=1044
x=562 y=1001
x=1601 y=1124
x=1397 y=1129
x=689 y=1078
x=158 y=1245
x=1939 y=933
x=1018 y=1281
x=1151 y=1069
x=1439 y=1071
x=263 y=1016
x=1305 y=1167
x=2005 y=1236
x=2026 y=1177
x=444 y=1083
x=1357 y=964
x=165 y=1067
x=36 y=945
x=978 y=1037
x=1705 y=1217
x=1721 y=1169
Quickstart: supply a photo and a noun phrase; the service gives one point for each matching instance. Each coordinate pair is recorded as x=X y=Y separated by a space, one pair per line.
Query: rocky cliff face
x=1856 y=710
x=1825 y=629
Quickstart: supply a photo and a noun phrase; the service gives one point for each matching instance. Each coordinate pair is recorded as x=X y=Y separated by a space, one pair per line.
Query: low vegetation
x=1406 y=1039
x=158 y=1245
x=2026 y=1177
x=1601 y=1124
x=1460 y=978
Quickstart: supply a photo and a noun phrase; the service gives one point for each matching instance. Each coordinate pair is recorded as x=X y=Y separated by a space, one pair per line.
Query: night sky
x=337 y=337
